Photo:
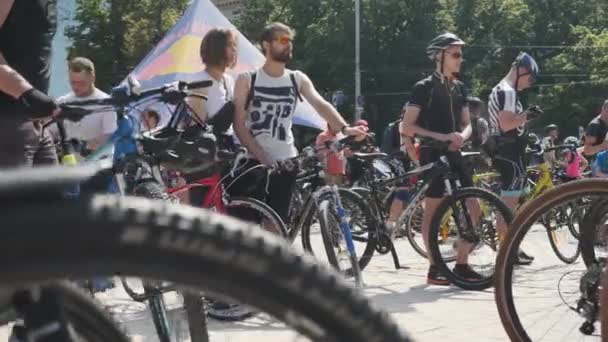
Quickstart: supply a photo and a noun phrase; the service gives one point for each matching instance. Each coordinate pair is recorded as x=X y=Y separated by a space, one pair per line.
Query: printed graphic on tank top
x=270 y=114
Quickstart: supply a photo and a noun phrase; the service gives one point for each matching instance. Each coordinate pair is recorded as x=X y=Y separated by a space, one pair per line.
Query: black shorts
x=512 y=171
x=457 y=163
x=255 y=184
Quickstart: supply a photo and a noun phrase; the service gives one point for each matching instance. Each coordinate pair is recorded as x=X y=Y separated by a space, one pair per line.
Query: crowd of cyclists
x=256 y=111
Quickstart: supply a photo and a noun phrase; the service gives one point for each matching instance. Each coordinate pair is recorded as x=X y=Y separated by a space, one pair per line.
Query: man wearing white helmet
x=438 y=110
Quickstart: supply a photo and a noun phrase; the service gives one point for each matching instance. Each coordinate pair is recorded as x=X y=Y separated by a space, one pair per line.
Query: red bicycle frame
x=213 y=198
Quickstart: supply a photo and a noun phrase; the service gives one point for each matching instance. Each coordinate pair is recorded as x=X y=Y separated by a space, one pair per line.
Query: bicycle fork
x=331 y=193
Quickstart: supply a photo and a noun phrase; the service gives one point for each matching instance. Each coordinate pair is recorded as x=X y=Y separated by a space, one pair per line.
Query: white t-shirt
x=218 y=94
x=270 y=113
x=91 y=126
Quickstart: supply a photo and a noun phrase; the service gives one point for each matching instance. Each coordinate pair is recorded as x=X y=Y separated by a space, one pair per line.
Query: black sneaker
x=523 y=259
x=434 y=277
x=18 y=333
x=228 y=311
x=465 y=271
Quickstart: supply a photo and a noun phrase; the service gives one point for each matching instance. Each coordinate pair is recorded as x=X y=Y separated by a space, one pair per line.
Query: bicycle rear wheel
x=258 y=212
x=190 y=247
x=410 y=222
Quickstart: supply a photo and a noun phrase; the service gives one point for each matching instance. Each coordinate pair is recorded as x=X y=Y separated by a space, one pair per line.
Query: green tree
x=565 y=36
x=117 y=34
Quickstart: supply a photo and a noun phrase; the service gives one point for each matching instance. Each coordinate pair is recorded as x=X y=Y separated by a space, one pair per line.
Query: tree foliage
x=117 y=34
x=568 y=38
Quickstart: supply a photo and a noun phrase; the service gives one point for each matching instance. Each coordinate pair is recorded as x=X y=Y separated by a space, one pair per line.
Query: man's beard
x=283 y=57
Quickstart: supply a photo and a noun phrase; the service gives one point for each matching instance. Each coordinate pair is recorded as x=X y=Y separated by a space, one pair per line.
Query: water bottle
x=71 y=191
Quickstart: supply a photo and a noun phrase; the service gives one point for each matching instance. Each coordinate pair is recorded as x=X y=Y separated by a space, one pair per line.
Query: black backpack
x=391 y=139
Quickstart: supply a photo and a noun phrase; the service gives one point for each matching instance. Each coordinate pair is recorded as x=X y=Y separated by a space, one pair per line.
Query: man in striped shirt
x=508 y=129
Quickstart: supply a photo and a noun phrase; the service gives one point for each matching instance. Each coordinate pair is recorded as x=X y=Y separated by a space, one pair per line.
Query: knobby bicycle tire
x=348 y=199
x=445 y=206
x=106 y=234
x=527 y=215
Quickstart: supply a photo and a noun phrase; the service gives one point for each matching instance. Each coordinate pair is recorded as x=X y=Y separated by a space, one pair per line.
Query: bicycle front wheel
x=361 y=220
x=551 y=316
x=463 y=237
x=336 y=244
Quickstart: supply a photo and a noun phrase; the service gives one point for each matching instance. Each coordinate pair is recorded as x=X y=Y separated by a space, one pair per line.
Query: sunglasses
x=455 y=55
x=532 y=78
x=284 y=40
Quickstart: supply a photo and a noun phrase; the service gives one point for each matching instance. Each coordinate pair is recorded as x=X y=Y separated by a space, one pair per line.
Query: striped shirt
x=504 y=98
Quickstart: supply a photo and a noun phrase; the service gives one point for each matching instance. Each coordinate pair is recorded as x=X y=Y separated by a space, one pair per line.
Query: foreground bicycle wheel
x=187 y=246
x=81 y=313
x=454 y=223
x=541 y=301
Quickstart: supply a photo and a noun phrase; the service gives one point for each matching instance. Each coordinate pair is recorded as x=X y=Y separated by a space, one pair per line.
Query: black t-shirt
x=440 y=104
x=25 y=42
x=598 y=129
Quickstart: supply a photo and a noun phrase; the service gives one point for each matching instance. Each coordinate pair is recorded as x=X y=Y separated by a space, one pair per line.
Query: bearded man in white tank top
x=264 y=116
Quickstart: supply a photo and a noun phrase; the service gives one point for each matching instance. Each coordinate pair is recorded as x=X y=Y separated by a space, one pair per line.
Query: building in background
x=229 y=8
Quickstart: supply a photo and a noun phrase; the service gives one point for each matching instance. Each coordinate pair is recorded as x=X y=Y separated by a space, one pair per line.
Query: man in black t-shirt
x=26 y=31
x=438 y=110
x=595 y=134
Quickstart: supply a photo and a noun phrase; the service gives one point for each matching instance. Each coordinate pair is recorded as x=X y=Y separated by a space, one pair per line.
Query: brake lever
x=240 y=155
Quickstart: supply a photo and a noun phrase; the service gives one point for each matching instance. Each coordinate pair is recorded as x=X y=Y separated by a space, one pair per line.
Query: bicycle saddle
x=369 y=156
x=470 y=154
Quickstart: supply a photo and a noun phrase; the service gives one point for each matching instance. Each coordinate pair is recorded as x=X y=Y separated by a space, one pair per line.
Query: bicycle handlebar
x=125 y=94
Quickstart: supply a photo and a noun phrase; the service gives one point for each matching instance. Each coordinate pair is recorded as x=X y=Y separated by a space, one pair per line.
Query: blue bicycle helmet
x=524 y=60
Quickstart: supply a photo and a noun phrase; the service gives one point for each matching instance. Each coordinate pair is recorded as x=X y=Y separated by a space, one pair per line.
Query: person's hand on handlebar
x=457 y=141
x=359 y=132
x=38 y=104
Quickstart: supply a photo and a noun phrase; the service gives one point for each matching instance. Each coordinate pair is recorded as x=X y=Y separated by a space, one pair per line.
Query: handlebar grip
x=436 y=144
x=199 y=84
x=226 y=155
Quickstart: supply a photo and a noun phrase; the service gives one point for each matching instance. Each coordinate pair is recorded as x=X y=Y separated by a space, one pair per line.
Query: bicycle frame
x=213 y=198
